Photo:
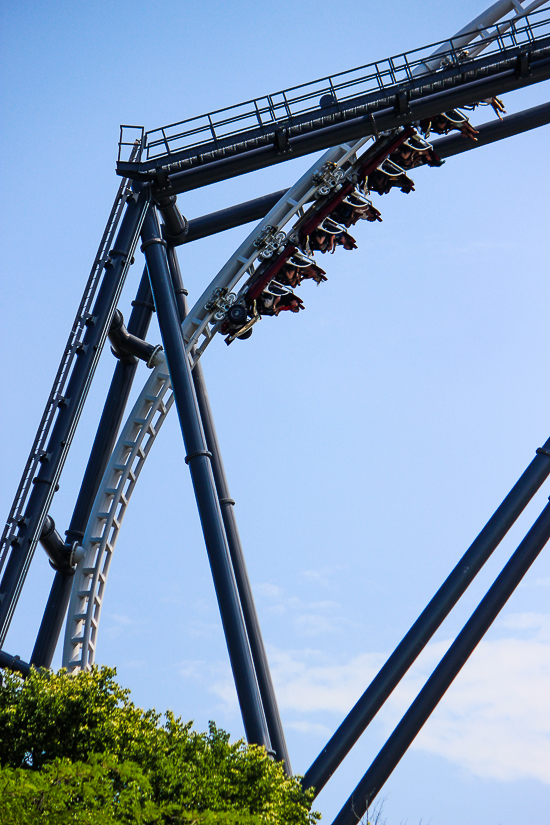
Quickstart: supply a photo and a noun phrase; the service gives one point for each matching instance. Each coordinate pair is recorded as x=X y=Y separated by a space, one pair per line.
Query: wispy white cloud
x=494 y=721
x=310 y=618
x=312 y=624
x=311 y=728
x=198 y=629
x=192 y=668
x=324 y=576
x=268 y=590
x=536 y=623
x=120 y=619
x=308 y=683
x=116 y=624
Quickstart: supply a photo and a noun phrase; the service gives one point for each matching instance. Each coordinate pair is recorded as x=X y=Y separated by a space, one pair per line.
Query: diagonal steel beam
x=431 y=618
x=254 y=210
x=445 y=673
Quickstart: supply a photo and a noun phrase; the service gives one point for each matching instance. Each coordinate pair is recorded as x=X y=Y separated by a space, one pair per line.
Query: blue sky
x=366 y=441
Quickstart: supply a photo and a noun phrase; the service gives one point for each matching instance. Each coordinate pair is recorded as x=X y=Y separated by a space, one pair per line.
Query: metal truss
x=357 y=103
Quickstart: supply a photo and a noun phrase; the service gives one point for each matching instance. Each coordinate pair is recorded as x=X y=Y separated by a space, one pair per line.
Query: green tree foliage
x=76 y=749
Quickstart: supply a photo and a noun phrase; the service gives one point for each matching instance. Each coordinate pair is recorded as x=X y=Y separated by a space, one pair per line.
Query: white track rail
x=156 y=398
x=480 y=28
x=108 y=512
x=239 y=266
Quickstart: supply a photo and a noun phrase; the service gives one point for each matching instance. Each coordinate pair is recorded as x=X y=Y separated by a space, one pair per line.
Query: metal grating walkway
x=334 y=99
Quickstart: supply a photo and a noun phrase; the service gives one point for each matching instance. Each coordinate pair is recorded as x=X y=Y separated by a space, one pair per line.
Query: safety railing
x=131 y=141
x=381 y=78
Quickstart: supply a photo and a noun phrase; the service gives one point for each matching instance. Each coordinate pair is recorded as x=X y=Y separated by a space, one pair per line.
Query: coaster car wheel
x=237 y=315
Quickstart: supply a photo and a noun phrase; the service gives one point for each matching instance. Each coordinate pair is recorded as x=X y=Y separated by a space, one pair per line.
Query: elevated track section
x=341 y=108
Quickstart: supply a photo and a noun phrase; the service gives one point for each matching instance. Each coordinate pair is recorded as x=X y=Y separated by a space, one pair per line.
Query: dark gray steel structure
x=382 y=101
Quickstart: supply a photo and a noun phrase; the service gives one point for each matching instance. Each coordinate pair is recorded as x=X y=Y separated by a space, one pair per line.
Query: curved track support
x=113 y=497
x=150 y=410
x=197 y=328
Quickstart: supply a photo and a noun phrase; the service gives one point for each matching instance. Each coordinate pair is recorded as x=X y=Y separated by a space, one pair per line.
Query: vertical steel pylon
x=199 y=460
x=257 y=649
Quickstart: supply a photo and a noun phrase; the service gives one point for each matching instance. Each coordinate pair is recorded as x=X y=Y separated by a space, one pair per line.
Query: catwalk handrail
x=371 y=86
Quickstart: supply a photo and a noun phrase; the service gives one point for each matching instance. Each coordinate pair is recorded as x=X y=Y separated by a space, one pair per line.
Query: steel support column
x=259 y=656
x=107 y=431
x=198 y=458
x=428 y=622
x=237 y=215
x=53 y=618
x=70 y=407
x=446 y=671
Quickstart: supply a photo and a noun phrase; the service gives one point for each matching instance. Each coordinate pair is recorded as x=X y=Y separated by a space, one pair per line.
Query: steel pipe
x=56 y=549
x=14 y=663
x=446 y=671
x=259 y=656
x=107 y=431
x=125 y=345
x=428 y=622
x=199 y=460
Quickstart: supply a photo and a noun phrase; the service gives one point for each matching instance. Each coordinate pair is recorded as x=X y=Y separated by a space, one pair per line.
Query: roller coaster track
x=120 y=478
x=142 y=427
x=149 y=413
x=155 y=400
x=283 y=121
x=267 y=244
x=201 y=321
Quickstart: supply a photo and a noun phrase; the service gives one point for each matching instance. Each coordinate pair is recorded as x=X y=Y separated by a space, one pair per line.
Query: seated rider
x=328 y=236
x=276 y=298
x=299 y=268
x=415 y=152
x=446 y=122
x=497 y=106
x=386 y=176
x=353 y=208
x=494 y=102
